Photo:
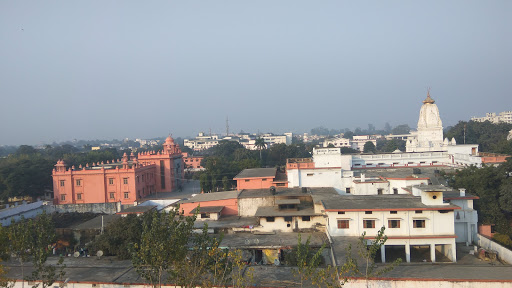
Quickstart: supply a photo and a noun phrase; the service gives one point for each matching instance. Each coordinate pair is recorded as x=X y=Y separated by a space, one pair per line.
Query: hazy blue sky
x=115 y=69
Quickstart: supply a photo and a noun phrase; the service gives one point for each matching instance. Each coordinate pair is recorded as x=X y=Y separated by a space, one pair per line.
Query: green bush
x=502 y=239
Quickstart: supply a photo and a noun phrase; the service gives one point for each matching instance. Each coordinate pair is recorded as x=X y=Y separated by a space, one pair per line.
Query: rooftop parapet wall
x=299 y=163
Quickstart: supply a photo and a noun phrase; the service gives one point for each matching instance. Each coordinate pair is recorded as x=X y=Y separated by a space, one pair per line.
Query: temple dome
x=169 y=140
x=429 y=115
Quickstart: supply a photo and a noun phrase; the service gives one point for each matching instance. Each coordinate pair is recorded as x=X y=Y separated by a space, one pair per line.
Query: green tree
x=367 y=251
x=260 y=144
x=489 y=136
x=4 y=240
x=401 y=129
x=31 y=239
x=43 y=235
x=307 y=260
x=225 y=183
x=120 y=236
x=163 y=244
x=208 y=265
x=369 y=147
x=20 y=235
x=204 y=183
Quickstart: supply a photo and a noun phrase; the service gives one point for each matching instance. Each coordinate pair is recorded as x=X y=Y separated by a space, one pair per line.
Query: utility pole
x=464 y=133
x=227 y=126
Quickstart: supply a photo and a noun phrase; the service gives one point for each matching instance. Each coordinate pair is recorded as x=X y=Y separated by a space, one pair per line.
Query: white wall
x=280 y=225
x=503 y=253
x=436 y=223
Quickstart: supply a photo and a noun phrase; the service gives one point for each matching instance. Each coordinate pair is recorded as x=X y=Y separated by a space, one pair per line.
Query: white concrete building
x=356 y=143
x=281 y=210
x=505 y=117
x=422 y=220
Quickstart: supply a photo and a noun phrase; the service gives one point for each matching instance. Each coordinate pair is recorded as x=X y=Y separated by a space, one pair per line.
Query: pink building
x=260 y=178
x=192 y=163
x=225 y=203
x=126 y=180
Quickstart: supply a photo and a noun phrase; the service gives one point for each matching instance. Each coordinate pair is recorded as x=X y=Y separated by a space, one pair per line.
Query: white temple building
x=429 y=136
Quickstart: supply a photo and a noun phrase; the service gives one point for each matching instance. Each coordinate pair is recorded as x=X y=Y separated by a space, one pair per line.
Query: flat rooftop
x=272 y=211
x=214 y=196
x=380 y=202
x=256 y=173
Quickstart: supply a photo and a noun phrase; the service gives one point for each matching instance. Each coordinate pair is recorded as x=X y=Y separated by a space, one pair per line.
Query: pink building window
x=62 y=197
x=78 y=182
x=112 y=195
x=125 y=181
x=110 y=181
x=62 y=183
x=79 y=196
x=126 y=195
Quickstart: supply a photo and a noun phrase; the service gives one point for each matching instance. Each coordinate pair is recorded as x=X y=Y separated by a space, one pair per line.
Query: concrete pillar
x=433 y=253
x=454 y=252
x=383 y=253
x=469 y=236
x=407 y=252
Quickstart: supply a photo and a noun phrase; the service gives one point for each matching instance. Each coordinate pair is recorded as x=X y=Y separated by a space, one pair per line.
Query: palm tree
x=260 y=144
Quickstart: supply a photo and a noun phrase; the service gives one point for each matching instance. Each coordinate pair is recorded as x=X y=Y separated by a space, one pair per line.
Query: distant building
x=192 y=163
x=126 y=180
x=504 y=117
x=204 y=142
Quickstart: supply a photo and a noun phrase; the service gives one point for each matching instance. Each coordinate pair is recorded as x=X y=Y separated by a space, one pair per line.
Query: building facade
x=503 y=117
x=126 y=180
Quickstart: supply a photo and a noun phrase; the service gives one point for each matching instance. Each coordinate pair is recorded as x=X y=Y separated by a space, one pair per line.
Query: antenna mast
x=227 y=126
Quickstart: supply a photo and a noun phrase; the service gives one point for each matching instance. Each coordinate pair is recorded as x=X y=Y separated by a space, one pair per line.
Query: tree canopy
x=490 y=137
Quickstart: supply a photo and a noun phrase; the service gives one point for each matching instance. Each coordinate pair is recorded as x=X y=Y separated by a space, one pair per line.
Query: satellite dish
x=99 y=254
x=76 y=254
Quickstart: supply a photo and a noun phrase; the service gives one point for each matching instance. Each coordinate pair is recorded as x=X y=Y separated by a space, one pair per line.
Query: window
x=79 y=196
x=395 y=191
x=62 y=197
x=125 y=181
x=393 y=212
x=379 y=191
x=280 y=184
x=205 y=215
x=393 y=223
x=78 y=182
x=110 y=181
x=418 y=211
x=288 y=218
x=418 y=223
x=62 y=183
x=368 y=212
x=142 y=178
x=443 y=211
x=247 y=180
x=126 y=195
x=368 y=223
x=341 y=212
x=310 y=174
x=270 y=219
x=493 y=229
x=264 y=179
x=112 y=195
x=343 y=224
x=306 y=218
x=347 y=190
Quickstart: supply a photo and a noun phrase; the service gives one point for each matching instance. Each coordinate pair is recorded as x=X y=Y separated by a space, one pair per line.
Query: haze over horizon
x=127 y=69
